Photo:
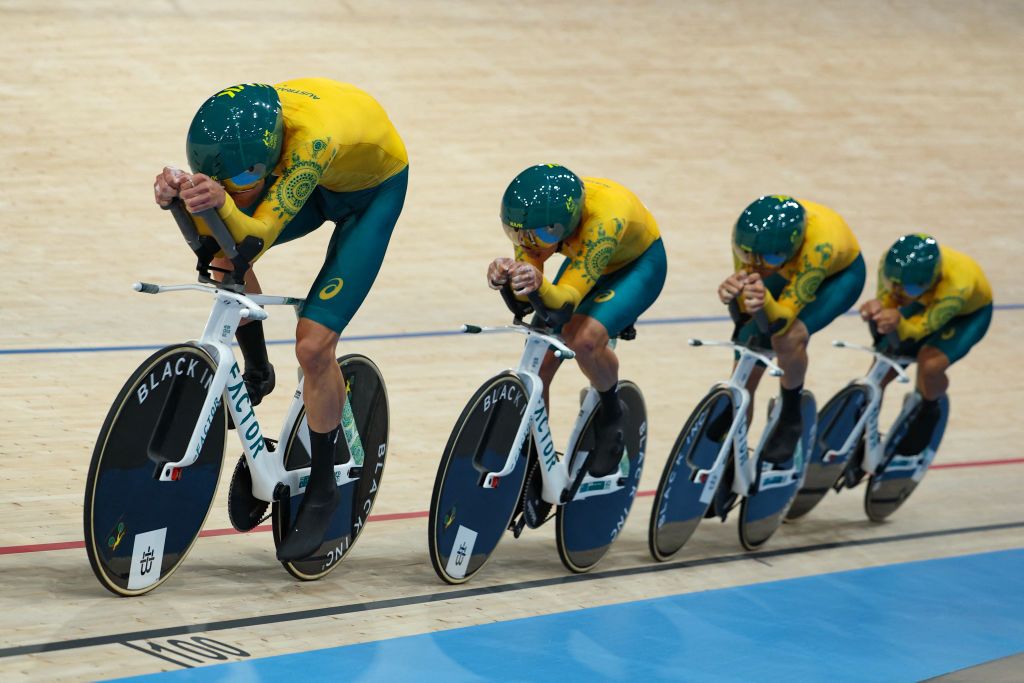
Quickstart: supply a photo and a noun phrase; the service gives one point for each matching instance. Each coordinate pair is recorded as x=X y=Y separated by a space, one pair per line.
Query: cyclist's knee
x=931 y=362
x=587 y=336
x=794 y=340
x=314 y=346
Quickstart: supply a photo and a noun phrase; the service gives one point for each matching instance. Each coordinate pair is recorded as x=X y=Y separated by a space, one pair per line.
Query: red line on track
x=394 y=516
x=977 y=463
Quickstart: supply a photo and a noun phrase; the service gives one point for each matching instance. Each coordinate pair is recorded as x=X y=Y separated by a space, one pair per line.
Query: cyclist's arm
x=552 y=296
x=281 y=203
x=943 y=308
x=801 y=289
x=586 y=265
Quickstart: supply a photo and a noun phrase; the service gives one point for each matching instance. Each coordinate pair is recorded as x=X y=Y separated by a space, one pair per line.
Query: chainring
x=536 y=510
x=245 y=511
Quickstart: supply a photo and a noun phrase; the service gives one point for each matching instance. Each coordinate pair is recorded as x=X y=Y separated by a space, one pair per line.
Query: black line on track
x=374 y=605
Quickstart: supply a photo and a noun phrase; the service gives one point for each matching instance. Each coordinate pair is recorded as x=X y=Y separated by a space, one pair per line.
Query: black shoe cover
x=919 y=432
x=609 y=444
x=783 y=441
x=310 y=527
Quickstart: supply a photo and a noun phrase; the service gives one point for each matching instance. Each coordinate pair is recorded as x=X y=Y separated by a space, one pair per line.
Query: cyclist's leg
x=836 y=295
x=354 y=257
x=259 y=373
x=615 y=302
x=937 y=352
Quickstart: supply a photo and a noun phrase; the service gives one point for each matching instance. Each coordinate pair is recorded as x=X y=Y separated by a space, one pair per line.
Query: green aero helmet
x=912 y=264
x=236 y=135
x=542 y=206
x=769 y=231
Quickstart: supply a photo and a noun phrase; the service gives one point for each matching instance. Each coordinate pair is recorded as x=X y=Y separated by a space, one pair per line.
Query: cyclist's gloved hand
x=869 y=309
x=524 y=278
x=887 y=320
x=732 y=286
x=167 y=185
x=753 y=294
x=200 y=192
x=497 y=272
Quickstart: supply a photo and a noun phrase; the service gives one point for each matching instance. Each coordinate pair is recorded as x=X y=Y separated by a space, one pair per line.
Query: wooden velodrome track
x=903 y=116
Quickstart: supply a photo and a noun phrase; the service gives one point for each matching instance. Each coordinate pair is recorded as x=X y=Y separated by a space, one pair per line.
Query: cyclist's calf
x=323 y=386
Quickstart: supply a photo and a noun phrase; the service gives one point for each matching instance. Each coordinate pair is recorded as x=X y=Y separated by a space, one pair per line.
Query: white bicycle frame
x=735 y=443
x=267 y=472
x=867 y=425
x=555 y=474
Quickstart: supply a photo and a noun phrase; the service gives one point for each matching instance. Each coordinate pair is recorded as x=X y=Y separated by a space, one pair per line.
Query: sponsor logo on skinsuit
x=333 y=287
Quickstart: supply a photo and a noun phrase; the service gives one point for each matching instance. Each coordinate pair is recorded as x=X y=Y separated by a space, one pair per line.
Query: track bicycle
x=158 y=457
x=710 y=468
x=849 y=446
x=500 y=469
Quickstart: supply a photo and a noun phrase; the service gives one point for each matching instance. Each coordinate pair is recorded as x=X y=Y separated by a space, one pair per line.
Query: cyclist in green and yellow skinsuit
x=800 y=263
x=939 y=303
x=277 y=162
x=613 y=271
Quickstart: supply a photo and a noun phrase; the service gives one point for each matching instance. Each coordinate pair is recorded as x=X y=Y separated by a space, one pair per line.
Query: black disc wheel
x=898 y=476
x=366 y=421
x=467 y=520
x=139 y=529
x=586 y=527
x=762 y=512
x=835 y=422
x=678 y=508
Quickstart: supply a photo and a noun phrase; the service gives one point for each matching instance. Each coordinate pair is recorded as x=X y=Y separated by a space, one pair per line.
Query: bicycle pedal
x=516 y=526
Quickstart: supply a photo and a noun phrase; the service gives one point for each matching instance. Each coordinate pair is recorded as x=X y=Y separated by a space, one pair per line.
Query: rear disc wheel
x=586 y=528
x=367 y=397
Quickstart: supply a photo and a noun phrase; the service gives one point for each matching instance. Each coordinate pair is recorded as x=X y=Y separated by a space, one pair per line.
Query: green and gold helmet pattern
x=912 y=265
x=769 y=231
x=236 y=135
x=542 y=206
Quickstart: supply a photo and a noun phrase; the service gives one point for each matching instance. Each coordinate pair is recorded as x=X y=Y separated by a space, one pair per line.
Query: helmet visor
x=247 y=179
x=772 y=260
x=908 y=290
x=537 y=238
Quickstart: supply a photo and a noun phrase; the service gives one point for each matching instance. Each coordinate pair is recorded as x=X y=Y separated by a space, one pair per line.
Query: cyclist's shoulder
x=604 y=190
x=317 y=89
x=958 y=268
x=606 y=200
x=822 y=217
x=316 y=101
x=826 y=226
